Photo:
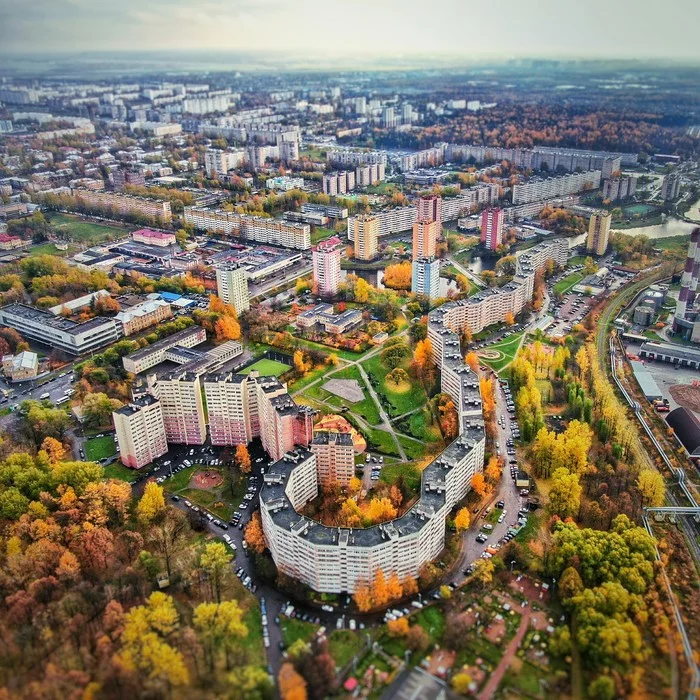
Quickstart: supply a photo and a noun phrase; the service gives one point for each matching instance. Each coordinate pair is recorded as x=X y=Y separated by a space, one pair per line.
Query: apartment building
x=121 y=178
x=161 y=239
x=349 y=157
x=492 y=228
x=671 y=187
x=322 y=315
x=288 y=234
x=538 y=189
x=425 y=279
x=73 y=337
x=180 y=395
x=154 y=354
x=232 y=286
x=140 y=432
x=124 y=204
x=598 y=232
x=425 y=235
x=364 y=234
x=326 y=262
x=619 y=188
x=429 y=208
x=144 y=315
x=335 y=457
x=610 y=167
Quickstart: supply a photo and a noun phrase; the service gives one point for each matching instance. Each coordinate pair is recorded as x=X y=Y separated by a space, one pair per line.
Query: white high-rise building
x=140 y=432
x=180 y=395
x=218 y=162
x=426 y=277
x=232 y=286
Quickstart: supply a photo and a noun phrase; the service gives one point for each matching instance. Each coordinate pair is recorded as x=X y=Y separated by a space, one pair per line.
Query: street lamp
x=512 y=563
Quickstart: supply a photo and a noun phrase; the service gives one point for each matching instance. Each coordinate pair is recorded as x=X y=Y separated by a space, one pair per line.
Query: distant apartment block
x=217 y=162
x=329 y=210
x=73 y=337
x=279 y=232
x=232 y=286
x=140 y=432
x=598 y=232
x=545 y=188
x=671 y=187
x=429 y=208
x=349 y=157
x=284 y=184
x=124 y=204
x=610 y=167
x=180 y=395
x=20 y=367
x=335 y=457
x=425 y=235
x=619 y=188
x=492 y=228
x=122 y=178
x=365 y=233
x=326 y=262
x=425 y=279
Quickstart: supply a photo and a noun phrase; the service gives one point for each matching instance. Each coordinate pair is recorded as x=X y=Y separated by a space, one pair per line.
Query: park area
x=499 y=355
x=267 y=368
x=73 y=228
x=99 y=448
x=569 y=282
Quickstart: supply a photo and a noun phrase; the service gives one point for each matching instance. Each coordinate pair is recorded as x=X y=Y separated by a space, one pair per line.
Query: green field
x=117 y=470
x=409 y=472
x=267 y=368
x=293 y=629
x=319 y=233
x=100 y=448
x=74 y=228
x=396 y=403
x=50 y=249
x=507 y=349
x=564 y=285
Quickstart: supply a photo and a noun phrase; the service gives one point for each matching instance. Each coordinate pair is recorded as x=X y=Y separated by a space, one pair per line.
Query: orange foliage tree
x=254 y=535
x=398 y=276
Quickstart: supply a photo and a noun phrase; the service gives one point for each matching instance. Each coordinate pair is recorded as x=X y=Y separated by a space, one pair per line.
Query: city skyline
x=70 y=26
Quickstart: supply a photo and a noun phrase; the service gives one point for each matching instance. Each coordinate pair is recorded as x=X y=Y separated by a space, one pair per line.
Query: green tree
x=215 y=560
x=219 y=627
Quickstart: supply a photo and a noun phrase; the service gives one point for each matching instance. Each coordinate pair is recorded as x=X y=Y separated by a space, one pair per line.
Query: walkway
x=497 y=676
x=467 y=273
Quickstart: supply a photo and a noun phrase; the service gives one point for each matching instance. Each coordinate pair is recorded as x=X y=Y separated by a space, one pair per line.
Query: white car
x=352 y=624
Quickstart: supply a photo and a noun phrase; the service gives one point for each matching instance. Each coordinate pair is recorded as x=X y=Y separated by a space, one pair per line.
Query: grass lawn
x=50 y=249
x=299 y=384
x=117 y=470
x=267 y=368
x=507 y=349
x=382 y=188
x=253 y=642
x=76 y=229
x=180 y=480
x=293 y=629
x=421 y=428
x=344 y=644
x=410 y=473
x=396 y=402
x=414 y=449
x=319 y=233
x=366 y=408
x=100 y=448
x=381 y=441
x=570 y=281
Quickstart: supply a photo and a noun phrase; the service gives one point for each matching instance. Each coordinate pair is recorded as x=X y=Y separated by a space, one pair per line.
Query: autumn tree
x=362 y=597
x=472 y=360
x=398 y=628
x=291 y=685
x=219 y=627
x=242 y=459
x=483 y=572
x=254 y=535
x=565 y=494
x=652 y=488
x=398 y=276
x=481 y=488
x=54 y=449
x=151 y=504
x=509 y=318
x=462 y=519
x=215 y=560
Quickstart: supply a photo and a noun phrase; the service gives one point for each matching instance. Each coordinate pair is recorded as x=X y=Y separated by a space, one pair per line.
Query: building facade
x=124 y=204
x=140 y=432
x=335 y=457
x=425 y=278
x=492 y=228
x=232 y=286
x=365 y=234
x=425 y=235
x=326 y=262
x=144 y=315
x=180 y=395
x=598 y=232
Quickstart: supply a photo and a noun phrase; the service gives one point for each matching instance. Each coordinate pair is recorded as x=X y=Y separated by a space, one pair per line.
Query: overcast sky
x=489 y=29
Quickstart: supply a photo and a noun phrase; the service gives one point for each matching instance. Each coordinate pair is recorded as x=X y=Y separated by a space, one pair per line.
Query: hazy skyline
x=459 y=28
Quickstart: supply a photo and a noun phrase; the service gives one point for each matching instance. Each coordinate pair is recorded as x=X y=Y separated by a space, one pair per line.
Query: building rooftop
x=60 y=323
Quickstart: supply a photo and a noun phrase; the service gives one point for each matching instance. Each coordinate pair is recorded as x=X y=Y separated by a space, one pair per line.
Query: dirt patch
x=687 y=395
x=348 y=389
x=206 y=479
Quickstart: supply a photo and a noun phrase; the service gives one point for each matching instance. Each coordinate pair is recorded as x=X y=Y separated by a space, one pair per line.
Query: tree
x=227 y=328
x=410 y=586
x=472 y=360
x=493 y=470
x=249 y=683
x=254 y=535
x=565 y=494
x=602 y=688
x=461 y=683
x=462 y=519
x=417 y=639
x=54 y=449
x=445 y=592
x=398 y=276
x=379 y=589
x=509 y=318
x=219 y=627
x=483 y=572
x=397 y=376
x=152 y=503
x=651 y=488
x=215 y=560
x=98 y=409
x=398 y=628
x=380 y=510
x=242 y=459
x=363 y=597
x=479 y=485
x=291 y=685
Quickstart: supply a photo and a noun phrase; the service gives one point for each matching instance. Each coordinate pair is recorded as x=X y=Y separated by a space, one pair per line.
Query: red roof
x=5 y=238
x=148 y=233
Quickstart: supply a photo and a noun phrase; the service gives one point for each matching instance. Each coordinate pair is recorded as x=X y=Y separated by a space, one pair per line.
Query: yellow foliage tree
x=479 y=485
x=54 y=449
x=363 y=597
x=152 y=503
x=254 y=534
x=242 y=459
x=381 y=509
x=462 y=519
x=398 y=628
x=472 y=360
x=292 y=686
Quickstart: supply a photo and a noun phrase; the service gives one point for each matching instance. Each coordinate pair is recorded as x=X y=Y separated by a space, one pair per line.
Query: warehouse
x=646 y=382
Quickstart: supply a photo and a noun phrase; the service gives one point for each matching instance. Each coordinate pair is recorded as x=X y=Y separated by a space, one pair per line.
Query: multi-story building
x=492 y=228
x=180 y=395
x=322 y=315
x=20 y=367
x=429 y=208
x=350 y=157
x=425 y=235
x=610 y=167
x=365 y=233
x=538 y=189
x=232 y=286
x=326 y=261
x=288 y=234
x=619 y=188
x=425 y=278
x=598 y=232
x=154 y=354
x=217 y=162
x=140 y=432
x=671 y=187
x=124 y=204
x=161 y=239
x=73 y=337
x=284 y=183
x=122 y=178
x=143 y=315
x=335 y=457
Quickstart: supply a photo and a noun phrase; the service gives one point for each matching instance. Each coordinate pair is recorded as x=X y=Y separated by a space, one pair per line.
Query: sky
x=500 y=29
